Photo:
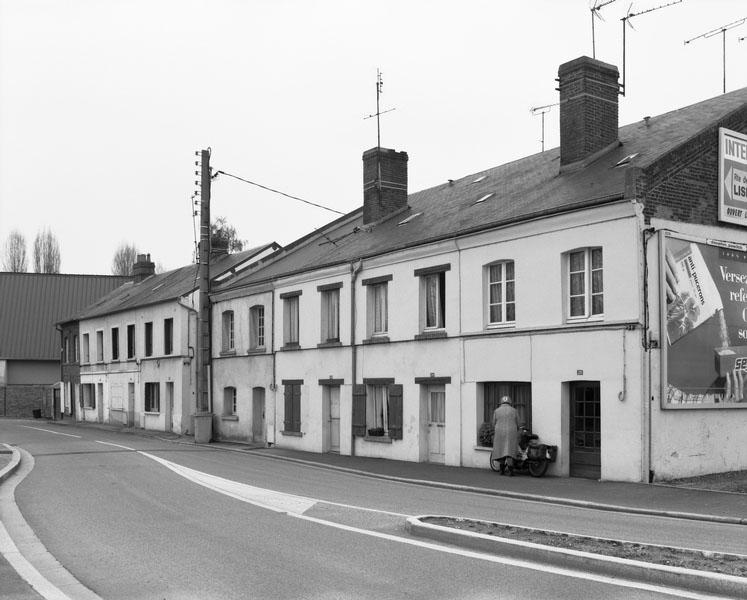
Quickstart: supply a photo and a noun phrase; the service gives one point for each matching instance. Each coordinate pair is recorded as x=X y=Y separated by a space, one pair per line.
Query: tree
x=124 y=258
x=15 y=253
x=222 y=234
x=46 y=252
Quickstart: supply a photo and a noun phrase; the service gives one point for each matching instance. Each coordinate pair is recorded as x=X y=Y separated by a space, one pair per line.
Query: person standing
x=505 y=435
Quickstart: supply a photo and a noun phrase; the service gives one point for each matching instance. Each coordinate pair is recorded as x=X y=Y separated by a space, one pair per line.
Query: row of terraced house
x=597 y=284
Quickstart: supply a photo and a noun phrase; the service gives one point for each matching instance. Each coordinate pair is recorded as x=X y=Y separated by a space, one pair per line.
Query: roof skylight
x=485 y=197
x=408 y=219
x=479 y=179
x=626 y=160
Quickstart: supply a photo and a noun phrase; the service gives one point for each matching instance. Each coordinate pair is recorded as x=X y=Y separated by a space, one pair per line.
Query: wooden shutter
x=292 y=421
x=359 y=410
x=395 y=411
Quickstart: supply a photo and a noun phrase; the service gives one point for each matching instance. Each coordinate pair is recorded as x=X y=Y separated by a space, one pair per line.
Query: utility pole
x=203 y=414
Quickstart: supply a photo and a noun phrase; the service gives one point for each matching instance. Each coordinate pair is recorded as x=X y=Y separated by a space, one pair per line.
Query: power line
x=269 y=189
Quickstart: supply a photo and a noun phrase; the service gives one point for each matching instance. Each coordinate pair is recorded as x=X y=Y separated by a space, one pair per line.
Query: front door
x=130 y=404
x=586 y=438
x=168 y=427
x=258 y=414
x=436 y=397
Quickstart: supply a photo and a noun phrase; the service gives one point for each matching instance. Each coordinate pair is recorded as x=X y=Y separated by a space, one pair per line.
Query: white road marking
x=26 y=570
x=295 y=506
x=50 y=431
x=115 y=445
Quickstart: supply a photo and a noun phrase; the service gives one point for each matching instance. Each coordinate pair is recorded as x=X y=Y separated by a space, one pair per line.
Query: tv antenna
x=543 y=110
x=595 y=8
x=626 y=21
x=722 y=30
x=377 y=114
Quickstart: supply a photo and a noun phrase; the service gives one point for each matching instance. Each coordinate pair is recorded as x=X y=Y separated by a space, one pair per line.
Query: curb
x=651 y=573
x=15 y=460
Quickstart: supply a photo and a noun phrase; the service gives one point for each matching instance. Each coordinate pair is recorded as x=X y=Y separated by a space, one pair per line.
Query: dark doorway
x=586 y=438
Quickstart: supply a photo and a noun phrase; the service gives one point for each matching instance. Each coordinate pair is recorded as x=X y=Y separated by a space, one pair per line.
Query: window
x=290 y=318
x=99 y=346
x=115 y=343
x=377 y=409
x=331 y=315
x=521 y=399
x=76 y=348
x=432 y=297
x=292 y=422
x=130 y=341
x=149 y=338
x=66 y=350
x=86 y=349
x=257 y=327
x=501 y=303
x=585 y=283
x=377 y=307
x=89 y=393
x=229 y=401
x=168 y=336
x=152 y=397
x=227 y=338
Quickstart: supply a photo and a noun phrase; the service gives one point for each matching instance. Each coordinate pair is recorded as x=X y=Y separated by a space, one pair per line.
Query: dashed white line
x=50 y=431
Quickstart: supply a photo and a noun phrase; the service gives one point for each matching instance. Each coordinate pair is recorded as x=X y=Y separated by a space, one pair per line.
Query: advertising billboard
x=732 y=163
x=705 y=324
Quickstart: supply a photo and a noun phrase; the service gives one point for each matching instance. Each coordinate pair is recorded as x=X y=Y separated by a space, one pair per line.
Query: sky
x=103 y=103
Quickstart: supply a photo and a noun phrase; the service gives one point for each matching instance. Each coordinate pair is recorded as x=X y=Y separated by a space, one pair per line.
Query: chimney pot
x=143 y=268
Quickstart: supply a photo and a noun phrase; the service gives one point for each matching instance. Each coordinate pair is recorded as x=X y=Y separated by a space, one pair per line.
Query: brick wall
x=683 y=186
x=393 y=183
x=19 y=401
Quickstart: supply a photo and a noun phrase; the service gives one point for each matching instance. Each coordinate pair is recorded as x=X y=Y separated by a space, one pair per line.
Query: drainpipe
x=354 y=270
x=273 y=386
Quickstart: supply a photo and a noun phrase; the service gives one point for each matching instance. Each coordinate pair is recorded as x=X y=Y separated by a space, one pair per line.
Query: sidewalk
x=653 y=499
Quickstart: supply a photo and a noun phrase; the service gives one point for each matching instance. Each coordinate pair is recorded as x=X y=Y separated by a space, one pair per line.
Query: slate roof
x=163 y=287
x=32 y=303
x=522 y=189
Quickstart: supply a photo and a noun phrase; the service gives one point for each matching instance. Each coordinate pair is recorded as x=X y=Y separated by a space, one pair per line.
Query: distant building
x=30 y=345
x=137 y=346
x=598 y=284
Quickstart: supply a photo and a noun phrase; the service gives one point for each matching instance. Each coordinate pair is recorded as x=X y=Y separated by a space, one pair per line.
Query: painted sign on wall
x=732 y=161
x=705 y=320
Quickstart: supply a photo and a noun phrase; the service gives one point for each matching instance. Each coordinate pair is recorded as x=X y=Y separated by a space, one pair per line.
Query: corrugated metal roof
x=522 y=189
x=32 y=303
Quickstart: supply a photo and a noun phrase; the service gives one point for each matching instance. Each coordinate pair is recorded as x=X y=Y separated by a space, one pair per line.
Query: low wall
x=20 y=401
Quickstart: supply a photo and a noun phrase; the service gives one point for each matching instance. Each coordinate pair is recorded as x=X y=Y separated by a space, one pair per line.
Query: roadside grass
x=726 y=564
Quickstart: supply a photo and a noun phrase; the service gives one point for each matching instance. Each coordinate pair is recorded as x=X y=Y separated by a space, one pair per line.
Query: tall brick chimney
x=143 y=268
x=387 y=194
x=588 y=110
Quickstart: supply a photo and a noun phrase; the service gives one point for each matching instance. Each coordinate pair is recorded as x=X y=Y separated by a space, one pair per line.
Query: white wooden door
x=436 y=424
x=333 y=392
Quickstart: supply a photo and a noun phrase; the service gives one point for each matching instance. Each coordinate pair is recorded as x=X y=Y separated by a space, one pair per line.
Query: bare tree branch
x=15 y=253
x=124 y=259
x=46 y=252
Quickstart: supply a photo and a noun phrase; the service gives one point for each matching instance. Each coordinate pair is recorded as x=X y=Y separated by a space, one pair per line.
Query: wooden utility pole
x=203 y=414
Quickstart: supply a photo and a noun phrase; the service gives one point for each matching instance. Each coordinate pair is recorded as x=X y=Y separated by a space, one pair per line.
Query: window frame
x=89 y=399
x=503 y=302
x=292 y=406
x=76 y=348
x=168 y=336
x=148 y=338
x=228 y=337
x=99 y=345
x=588 y=294
x=427 y=275
x=291 y=319
x=330 y=315
x=131 y=346
x=149 y=401
x=257 y=327
x=377 y=307
x=230 y=404
x=86 y=356
x=115 y=343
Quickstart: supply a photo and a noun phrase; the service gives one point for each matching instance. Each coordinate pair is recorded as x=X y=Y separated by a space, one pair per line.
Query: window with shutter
x=395 y=411
x=359 y=410
x=292 y=420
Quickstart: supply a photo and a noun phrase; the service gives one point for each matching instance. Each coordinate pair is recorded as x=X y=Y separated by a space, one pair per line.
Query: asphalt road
x=128 y=527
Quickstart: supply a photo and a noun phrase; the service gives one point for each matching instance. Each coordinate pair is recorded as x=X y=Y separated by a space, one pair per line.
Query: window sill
x=228 y=353
x=152 y=413
x=576 y=320
x=329 y=344
x=431 y=335
x=499 y=326
x=229 y=418
x=292 y=346
x=483 y=448
x=378 y=439
x=257 y=350
x=292 y=433
x=379 y=339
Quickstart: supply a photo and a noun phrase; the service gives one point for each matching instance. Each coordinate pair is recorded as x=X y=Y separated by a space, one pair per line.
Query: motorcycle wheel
x=495 y=464
x=538 y=468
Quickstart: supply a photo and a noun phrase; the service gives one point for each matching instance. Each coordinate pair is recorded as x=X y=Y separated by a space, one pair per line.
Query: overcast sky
x=103 y=103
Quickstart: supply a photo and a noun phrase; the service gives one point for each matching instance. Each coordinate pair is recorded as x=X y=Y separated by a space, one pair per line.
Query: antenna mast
x=377 y=114
x=626 y=21
x=543 y=110
x=596 y=7
x=721 y=30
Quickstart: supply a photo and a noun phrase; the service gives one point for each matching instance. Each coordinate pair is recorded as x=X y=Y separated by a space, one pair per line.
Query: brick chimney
x=588 y=110
x=143 y=268
x=387 y=194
